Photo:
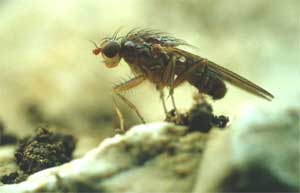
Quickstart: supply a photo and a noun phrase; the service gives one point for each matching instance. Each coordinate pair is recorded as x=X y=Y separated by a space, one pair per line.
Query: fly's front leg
x=123 y=87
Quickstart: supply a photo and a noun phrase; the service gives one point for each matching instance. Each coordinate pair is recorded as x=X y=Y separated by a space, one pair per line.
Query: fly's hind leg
x=123 y=87
x=182 y=77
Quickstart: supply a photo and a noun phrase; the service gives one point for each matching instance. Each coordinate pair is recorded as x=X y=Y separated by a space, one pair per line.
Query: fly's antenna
x=97 y=50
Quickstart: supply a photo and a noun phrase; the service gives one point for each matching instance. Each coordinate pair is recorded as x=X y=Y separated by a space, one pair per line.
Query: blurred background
x=49 y=76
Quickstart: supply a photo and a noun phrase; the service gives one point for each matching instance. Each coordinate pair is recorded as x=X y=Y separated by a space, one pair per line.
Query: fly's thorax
x=138 y=55
x=143 y=58
x=128 y=51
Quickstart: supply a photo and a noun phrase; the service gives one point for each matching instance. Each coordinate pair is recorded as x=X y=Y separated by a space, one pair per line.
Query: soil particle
x=43 y=150
x=199 y=118
x=13 y=178
x=6 y=138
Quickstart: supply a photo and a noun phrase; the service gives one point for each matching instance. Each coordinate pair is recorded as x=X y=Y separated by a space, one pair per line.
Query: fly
x=155 y=56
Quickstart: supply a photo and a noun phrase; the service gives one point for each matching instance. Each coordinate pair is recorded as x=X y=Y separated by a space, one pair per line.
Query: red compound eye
x=96 y=51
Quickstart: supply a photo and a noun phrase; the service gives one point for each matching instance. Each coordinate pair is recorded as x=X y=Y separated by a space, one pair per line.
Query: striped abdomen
x=208 y=82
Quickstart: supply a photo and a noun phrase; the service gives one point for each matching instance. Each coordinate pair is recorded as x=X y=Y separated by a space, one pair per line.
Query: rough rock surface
x=265 y=153
x=157 y=157
x=258 y=153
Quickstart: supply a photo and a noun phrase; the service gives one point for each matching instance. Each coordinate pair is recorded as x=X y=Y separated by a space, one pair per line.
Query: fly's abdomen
x=209 y=83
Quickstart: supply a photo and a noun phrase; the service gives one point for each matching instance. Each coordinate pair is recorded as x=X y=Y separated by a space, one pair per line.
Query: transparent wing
x=239 y=81
x=224 y=74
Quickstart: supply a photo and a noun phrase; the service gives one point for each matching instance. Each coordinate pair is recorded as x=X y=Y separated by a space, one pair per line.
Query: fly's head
x=110 y=52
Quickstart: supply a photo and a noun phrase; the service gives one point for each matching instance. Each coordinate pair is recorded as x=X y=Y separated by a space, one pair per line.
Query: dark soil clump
x=199 y=118
x=6 y=138
x=44 y=150
x=13 y=178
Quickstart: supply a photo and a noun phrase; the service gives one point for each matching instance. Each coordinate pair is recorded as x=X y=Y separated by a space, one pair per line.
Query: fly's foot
x=176 y=117
x=119 y=131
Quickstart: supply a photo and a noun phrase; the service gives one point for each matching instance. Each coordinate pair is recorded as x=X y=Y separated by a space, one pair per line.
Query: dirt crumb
x=45 y=149
x=199 y=118
x=6 y=138
x=13 y=178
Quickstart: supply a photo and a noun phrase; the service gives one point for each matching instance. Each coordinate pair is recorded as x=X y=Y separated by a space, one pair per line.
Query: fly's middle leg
x=162 y=98
x=169 y=77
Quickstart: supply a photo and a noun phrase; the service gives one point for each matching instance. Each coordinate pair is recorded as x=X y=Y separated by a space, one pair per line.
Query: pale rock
x=157 y=157
x=259 y=152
